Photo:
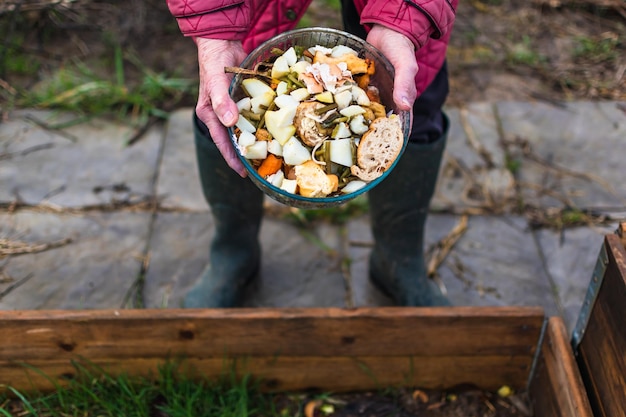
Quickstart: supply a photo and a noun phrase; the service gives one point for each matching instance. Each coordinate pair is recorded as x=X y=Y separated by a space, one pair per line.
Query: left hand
x=400 y=51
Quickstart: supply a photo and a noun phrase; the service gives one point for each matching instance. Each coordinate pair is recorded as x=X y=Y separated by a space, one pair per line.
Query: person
x=413 y=35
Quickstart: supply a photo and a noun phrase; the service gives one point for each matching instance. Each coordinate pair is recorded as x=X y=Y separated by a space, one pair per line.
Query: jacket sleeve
x=219 y=19
x=419 y=20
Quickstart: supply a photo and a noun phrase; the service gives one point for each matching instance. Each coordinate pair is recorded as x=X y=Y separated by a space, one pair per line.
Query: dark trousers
x=428 y=120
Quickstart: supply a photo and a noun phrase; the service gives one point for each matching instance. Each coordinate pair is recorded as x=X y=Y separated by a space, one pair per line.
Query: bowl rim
x=309 y=202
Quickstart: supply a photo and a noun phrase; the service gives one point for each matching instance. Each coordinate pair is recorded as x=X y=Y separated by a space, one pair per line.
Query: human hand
x=400 y=51
x=215 y=107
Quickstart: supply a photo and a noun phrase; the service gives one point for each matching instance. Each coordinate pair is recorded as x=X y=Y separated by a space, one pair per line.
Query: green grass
x=308 y=20
x=523 y=53
x=170 y=393
x=115 y=83
x=16 y=62
x=78 y=88
x=335 y=215
x=513 y=165
x=96 y=89
x=597 y=50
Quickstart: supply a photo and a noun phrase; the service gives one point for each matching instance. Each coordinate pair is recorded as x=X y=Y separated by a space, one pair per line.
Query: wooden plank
x=602 y=351
x=337 y=374
x=556 y=388
x=295 y=348
x=621 y=232
x=122 y=334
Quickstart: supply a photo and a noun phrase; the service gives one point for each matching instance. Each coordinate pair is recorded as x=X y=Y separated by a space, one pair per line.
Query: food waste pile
x=311 y=122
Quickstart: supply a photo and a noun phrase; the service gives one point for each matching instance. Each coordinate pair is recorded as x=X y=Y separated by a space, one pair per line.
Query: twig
x=245 y=71
x=617 y=5
x=565 y=200
x=15 y=285
x=445 y=245
x=26 y=151
x=487 y=203
x=11 y=248
x=5 y=85
x=141 y=131
x=529 y=154
x=473 y=141
x=51 y=128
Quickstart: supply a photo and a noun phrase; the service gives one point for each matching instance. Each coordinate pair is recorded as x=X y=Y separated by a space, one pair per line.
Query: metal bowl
x=382 y=79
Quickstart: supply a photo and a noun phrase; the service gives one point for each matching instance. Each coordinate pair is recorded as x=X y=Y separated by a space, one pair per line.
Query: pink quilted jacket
x=427 y=23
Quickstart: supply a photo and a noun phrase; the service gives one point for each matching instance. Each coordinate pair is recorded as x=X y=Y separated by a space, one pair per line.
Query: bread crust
x=313 y=181
x=378 y=149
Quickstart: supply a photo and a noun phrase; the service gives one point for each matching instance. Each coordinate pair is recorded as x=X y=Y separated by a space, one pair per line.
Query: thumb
x=404 y=90
x=223 y=105
x=400 y=52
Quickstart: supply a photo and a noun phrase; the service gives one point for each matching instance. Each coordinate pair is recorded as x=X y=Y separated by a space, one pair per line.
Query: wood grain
x=602 y=351
x=557 y=388
x=336 y=374
x=459 y=331
x=328 y=348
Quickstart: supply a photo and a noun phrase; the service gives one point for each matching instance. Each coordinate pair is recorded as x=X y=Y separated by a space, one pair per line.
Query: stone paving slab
x=571 y=256
x=585 y=140
x=498 y=261
x=474 y=173
x=178 y=185
x=178 y=252
x=83 y=165
x=95 y=270
x=360 y=242
x=298 y=269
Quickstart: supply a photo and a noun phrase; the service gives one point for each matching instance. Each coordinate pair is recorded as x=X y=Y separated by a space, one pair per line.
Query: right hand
x=215 y=107
x=401 y=53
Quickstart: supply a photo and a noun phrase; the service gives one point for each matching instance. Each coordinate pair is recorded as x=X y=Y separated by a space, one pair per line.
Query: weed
x=78 y=88
x=15 y=60
x=513 y=165
x=170 y=392
x=573 y=217
x=335 y=215
x=327 y=13
x=522 y=53
x=597 y=50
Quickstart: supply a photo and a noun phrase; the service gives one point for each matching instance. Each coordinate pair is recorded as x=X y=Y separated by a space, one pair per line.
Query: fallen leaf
x=504 y=391
x=309 y=408
x=420 y=395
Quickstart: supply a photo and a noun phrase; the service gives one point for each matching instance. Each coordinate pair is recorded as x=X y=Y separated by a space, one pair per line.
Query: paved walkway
x=77 y=209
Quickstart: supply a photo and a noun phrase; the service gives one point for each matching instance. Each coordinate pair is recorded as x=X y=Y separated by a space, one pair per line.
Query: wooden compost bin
x=599 y=338
x=329 y=349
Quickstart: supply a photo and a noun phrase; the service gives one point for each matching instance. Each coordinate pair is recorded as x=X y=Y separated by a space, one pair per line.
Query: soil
x=550 y=50
x=465 y=401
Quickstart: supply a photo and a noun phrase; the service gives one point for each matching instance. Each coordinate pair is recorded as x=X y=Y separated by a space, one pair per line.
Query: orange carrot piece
x=363 y=81
x=270 y=165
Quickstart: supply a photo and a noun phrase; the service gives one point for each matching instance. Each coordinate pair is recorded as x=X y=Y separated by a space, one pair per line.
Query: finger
x=223 y=105
x=400 y=52
x=213 y=56
x=216 y=92
x=404 y=90
x=221 y=138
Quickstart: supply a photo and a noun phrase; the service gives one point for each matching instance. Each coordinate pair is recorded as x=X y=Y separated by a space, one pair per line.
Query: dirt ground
x=465 y=401
x=553 y=50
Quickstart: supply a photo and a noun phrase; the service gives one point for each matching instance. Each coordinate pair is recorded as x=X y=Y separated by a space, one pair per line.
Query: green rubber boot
x=399 y=207
x=237 y=208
